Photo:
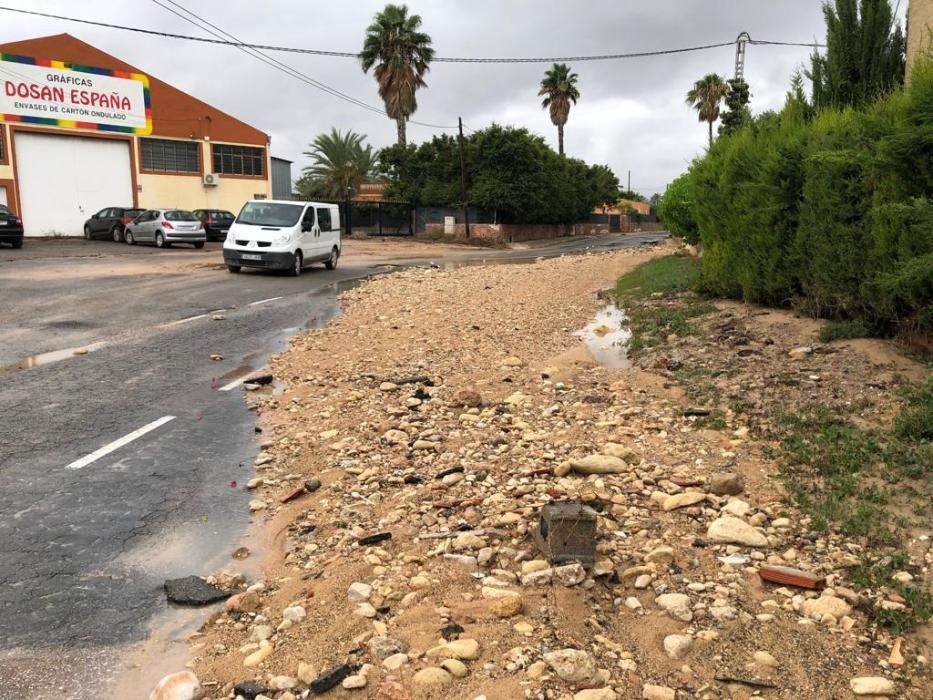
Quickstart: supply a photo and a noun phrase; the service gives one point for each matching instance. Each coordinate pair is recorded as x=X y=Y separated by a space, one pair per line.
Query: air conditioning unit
x=211 y=179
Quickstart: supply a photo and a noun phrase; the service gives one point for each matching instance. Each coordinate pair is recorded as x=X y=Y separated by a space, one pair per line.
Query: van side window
x=308 y=218
x=323 y=219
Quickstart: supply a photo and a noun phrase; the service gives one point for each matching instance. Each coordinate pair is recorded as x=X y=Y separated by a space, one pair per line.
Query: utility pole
x=629 y=186
x=463 y=196
x=740 y=42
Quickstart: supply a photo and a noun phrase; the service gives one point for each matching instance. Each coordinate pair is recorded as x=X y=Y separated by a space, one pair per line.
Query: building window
x=171 y=156
x=2 y=144
x=239 y=160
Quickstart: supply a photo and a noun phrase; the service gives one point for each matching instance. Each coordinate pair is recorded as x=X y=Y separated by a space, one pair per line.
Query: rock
x=657 y=692
x=496 y=592
x=243 y=602
x=257 y=504
x=395 y=662
x=295 y=613
x=573 y=666
x=455 y=667
x=596 y=694
x=512 y=362
x=523 y=628
x=682 y=500
x=569 y=575
x=193 y=590
x=529 y=567
x=896 y=658
x=354 y=682
x=677 y=605
x=392 y=690
x=872 y=685
x=432 y=675
x=306 y=672
x=359 y=592
x=726 y=484
x=508 y=606
x=183 y=685
x=258 y=656
x=642 y=582
x=283 y=682
x=470 y=398
x=536 y=670
x=676 y=646
x=826 y=605
x=457 y=649
x=467 y=541
x=388 y=386
x=730 y=530
x=660 y=555
x=250 y=689
x=626 y=454
x=763 y=658
x=632 y=603
x=365 y=610
x=216 y=356
x=599 y=464
x=312 y=485
x=381 y=647
x=736 y=507
x=800 y=353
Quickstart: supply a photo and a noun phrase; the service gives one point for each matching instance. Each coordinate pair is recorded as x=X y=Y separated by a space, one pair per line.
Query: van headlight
x=281 y=240
x=230 y=235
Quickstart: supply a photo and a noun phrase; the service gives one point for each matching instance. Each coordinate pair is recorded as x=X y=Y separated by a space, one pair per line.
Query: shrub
x=675 y=210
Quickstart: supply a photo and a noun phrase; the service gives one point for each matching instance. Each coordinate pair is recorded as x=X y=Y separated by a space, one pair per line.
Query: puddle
x=47 y=358
x=606 y=338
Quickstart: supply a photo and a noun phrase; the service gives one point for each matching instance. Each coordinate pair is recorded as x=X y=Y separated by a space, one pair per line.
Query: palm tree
x=559 y=88
x=401 y=54
x=705 y=97
x=339 y=161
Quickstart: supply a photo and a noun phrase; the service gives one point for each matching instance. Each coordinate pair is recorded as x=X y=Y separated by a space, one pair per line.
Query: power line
x=436 y=59
x=227 y=37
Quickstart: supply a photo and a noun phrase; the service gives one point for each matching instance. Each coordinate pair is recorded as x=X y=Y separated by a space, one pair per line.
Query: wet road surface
x=85 y=543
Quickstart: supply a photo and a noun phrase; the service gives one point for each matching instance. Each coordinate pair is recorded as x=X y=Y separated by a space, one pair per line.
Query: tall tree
x=705 y=97
x=339 y=161
x=559 y=88
x=864 y=56
x=737 y=113
x=400 y=53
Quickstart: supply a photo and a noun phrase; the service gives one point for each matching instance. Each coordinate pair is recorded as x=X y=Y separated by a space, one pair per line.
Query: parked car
x=110 y=223
x=11 y=227
x=163 y=227
x=283 y=235
x=216 y=222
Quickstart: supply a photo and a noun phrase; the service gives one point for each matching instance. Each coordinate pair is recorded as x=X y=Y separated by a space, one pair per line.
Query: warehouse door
x=65 y=179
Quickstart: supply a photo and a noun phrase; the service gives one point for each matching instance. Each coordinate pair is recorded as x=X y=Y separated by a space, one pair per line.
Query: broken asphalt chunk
x=192 y=590
x=374 y=539
x=323 y=683
x=250 y=689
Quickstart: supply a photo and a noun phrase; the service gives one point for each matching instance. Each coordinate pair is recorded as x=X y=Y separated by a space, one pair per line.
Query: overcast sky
x=631 y=115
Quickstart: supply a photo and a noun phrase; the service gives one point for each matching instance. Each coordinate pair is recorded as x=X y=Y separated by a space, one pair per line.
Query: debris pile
x=470 y=507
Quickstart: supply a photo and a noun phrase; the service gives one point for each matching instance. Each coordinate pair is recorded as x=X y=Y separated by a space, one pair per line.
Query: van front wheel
x=297 y=264
x=331 y=263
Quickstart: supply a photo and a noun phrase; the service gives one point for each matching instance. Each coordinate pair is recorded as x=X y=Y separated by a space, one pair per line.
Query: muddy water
x=606 y=338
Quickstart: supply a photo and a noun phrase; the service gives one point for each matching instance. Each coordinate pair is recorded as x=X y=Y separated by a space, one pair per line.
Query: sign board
x=54 y=93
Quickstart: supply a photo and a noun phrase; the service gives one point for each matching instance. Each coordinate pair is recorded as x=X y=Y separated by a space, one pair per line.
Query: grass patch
x=877 y=572
x=658 y=300
x=915 y=421
x=670 y=274
x=843 y=330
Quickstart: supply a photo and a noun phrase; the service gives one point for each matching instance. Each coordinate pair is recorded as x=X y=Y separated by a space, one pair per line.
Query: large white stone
x=731 y=530
x=872 y=685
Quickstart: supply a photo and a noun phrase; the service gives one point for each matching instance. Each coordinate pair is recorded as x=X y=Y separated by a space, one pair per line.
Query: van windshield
x=269 y=214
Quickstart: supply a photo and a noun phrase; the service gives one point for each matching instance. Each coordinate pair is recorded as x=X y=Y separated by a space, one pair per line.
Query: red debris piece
x=791 y=577
x=292 y=495
x=233 y=484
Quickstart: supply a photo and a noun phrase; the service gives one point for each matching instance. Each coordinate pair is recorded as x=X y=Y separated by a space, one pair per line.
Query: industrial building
x=80 y=130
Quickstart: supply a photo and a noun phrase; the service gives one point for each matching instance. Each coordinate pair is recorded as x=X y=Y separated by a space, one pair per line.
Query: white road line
x=120 y=442
x=264 y=301
x=234 y=384
x=182 y=320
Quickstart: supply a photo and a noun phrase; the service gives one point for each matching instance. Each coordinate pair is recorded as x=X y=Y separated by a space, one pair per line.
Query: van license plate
x=251 y=257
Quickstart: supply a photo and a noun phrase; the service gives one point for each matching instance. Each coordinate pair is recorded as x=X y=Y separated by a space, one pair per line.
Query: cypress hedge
x=831 y=213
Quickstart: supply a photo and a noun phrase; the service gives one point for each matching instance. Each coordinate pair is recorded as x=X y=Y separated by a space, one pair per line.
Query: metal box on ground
x=566 y=533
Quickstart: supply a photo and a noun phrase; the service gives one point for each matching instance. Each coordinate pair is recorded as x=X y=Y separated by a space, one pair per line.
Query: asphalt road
x=85 y=543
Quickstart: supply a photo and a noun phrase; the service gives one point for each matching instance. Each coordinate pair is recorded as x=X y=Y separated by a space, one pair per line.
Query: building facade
x=55 y=172
x=919 y=30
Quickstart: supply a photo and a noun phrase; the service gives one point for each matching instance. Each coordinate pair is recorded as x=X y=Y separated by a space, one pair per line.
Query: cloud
x=631 y=115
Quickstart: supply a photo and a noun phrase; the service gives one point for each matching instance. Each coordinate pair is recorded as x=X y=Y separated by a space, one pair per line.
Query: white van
x=283 y=235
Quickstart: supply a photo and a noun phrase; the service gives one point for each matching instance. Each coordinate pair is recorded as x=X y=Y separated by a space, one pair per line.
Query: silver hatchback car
x=164 y=227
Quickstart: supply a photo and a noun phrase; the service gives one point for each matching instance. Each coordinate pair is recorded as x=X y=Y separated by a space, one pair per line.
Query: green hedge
x=832 y=214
